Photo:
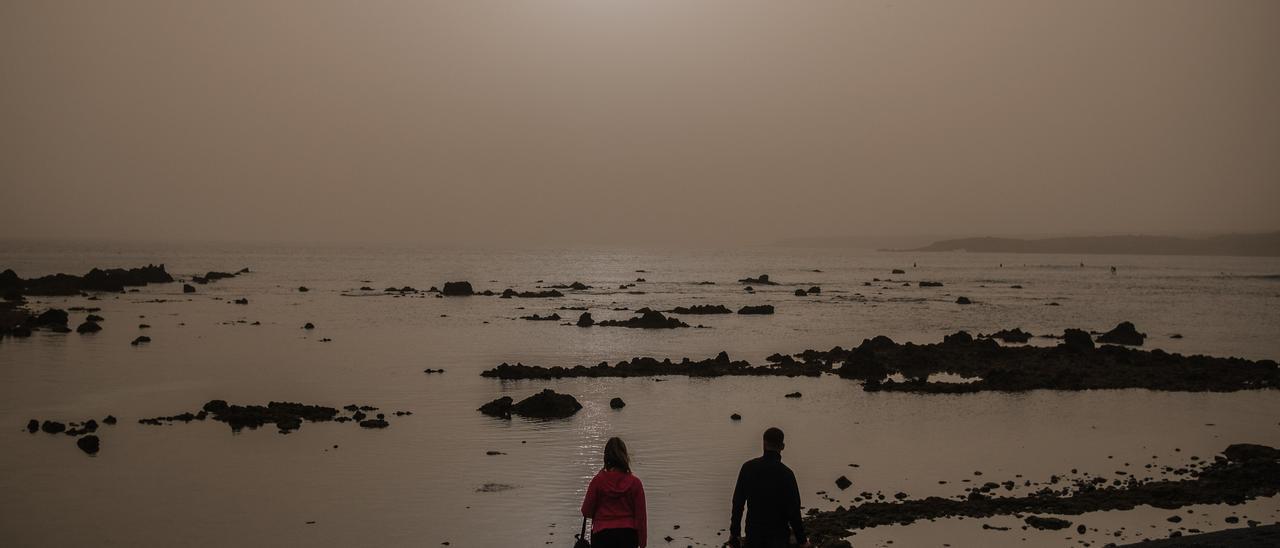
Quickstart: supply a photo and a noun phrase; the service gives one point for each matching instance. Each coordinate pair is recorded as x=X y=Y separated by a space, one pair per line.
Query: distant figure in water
x=615 y=502
x=768 y=489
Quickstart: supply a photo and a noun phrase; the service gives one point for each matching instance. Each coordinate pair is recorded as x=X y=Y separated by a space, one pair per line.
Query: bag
x=582 y=537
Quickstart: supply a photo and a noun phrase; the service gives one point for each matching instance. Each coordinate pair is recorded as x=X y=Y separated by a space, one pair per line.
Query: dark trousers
x=764 y=541
x=615 y=538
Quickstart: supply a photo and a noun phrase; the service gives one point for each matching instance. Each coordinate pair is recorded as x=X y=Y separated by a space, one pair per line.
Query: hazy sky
x=635 y=120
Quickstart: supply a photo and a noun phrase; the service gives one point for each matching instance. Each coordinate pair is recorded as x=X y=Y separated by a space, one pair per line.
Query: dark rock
x=585 y=320
x=113 y=280
x=899 y=271
x=552 y=317
x=547 y=405
x=762 y=280
x=52 y=427
x=309 y=326
x=760 y=309
x=815 y=290
x=1125 y=333
x=241 y=300
x=89 y=444
x=457 y=289
x=1077 y=339
x=735 y=417
x=617 y=403
x=500 y=408
x=794 y=395
x=1016 y=335
x=702 y=309
x=1044 y=523
x=33 y=426
x=649 y=320
x=843 y=483
x=303 y=289
x=374 y=423
x=801 y=293
x=930 y=284
x=959 y=337
x=93 y=318
x=963 y=300
x=188 y=288
x=88 y=327
x=433 y=370
x=718 y=366
x=140 y=339
x=111 y=419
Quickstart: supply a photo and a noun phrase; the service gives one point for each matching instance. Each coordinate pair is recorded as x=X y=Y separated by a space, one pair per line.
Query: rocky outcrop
x=1241 y=474
x=651 y=319
x=98 y=280
x=718 y=366
x=763 y=279
x=286 y=416
x=1073 y=365
x=702 y=309
x=544 y=405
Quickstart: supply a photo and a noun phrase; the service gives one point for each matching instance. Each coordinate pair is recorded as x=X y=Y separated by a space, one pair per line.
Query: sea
x=447 y=474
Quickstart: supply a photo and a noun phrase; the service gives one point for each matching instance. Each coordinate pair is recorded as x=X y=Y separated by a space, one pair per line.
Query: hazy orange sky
x=622 y=121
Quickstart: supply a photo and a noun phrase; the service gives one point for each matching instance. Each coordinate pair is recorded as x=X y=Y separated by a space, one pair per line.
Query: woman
x=615 y=502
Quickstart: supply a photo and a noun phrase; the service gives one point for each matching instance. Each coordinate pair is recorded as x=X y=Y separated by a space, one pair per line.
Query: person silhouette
x=767 y=489
x=615 y=502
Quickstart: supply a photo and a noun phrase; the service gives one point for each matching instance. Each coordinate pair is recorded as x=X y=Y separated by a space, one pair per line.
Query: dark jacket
x=768 y=489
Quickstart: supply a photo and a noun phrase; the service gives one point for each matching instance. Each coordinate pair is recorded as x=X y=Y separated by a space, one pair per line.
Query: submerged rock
x=930 y=284
x=88 y=327
x=702 y=309
x=759 y=309
x=536 y=318
x=140 y=340
x=500 y=408
x=963 y=300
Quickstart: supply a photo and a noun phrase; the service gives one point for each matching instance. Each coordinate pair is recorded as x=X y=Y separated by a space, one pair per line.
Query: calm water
x=417 y=482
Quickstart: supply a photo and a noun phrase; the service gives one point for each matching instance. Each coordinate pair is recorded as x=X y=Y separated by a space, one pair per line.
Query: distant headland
x=1265 y=244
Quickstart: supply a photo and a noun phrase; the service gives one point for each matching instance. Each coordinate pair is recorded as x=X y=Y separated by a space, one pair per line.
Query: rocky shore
x=1243 y=472
x=718 y=366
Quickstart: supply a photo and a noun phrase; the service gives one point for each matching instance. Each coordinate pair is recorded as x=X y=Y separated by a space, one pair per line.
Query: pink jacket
x=615 y=500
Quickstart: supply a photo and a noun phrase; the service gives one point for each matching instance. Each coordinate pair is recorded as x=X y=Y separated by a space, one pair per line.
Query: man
x=768 y=489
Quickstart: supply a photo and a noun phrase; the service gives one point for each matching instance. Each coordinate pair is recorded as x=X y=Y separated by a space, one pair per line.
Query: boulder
x=89 y=444
x=735 y=417
x=88 y=327
x=1124 y=333
x=801 y=293
x=760 y=309
x=963 y=300
x=303 y=289
x=309 y=326
x=547 y=404
x=899 y=271
x=843 y=483
x=651 y=319
x=617 y=403
x=374 y=423
x=33 y=426
x=585 y=320
x=457 y=289
x=53 y=427
x=930 y=284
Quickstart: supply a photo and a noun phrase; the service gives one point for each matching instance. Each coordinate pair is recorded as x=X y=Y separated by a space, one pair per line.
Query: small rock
x=89 y=444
